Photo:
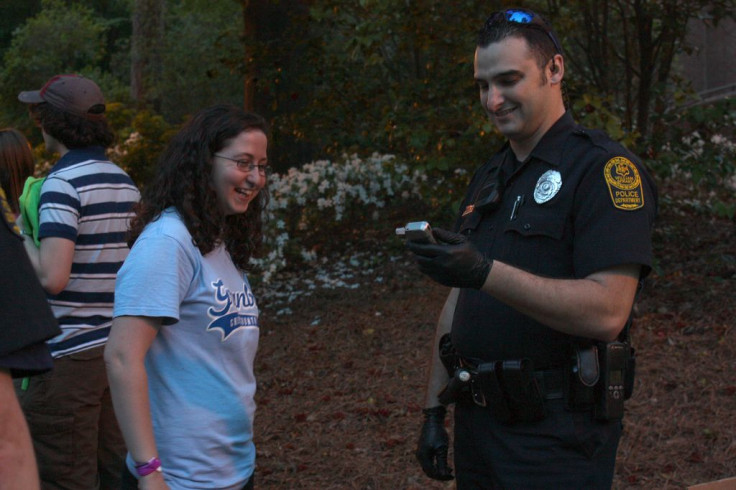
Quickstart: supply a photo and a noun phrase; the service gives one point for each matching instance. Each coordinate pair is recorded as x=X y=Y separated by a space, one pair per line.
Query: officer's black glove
x=453 y=261
x=433 y=445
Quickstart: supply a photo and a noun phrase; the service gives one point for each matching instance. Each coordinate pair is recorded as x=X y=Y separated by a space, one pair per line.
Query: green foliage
x=60 y=39
x=697 y=141
x=724 y=209
x=625 y=52
x=12 y=14
x=594 y=111
x=369 y=76
x=396 y=77
x=391 y=77
x=144 y=137
x=201 y=42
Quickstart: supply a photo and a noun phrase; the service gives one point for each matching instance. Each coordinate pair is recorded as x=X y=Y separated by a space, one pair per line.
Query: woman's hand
x=153 y=481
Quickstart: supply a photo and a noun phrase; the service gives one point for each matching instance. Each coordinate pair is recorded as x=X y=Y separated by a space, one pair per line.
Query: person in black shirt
x=26 y=322
x=552 y=241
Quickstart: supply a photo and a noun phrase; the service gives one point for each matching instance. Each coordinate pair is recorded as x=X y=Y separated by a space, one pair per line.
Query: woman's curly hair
x=183 y=180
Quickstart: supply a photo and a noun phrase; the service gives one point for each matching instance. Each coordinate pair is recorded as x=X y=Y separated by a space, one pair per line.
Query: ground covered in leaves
x=341 y=367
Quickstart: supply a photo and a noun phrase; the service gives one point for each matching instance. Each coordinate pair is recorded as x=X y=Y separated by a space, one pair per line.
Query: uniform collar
x=77 y=155
x=551 y=146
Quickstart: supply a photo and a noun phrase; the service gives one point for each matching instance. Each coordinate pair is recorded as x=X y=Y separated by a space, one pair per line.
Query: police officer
x=544 y=265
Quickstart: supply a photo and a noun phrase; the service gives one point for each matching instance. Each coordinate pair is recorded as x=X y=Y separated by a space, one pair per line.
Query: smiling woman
x=186 y=176
x=185 y=310
x=237 y=179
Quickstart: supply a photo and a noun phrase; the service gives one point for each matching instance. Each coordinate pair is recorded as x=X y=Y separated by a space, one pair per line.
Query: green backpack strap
x=29 y=201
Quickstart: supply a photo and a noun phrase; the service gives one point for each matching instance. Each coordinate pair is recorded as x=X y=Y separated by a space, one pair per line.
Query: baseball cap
x=70 y=93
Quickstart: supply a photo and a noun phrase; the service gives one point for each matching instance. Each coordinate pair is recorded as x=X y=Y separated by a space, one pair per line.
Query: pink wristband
x=144 y=469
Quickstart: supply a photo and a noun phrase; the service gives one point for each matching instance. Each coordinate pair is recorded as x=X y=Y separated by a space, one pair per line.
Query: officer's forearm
x=596 y=306
x=438 y=379
x=437 y=373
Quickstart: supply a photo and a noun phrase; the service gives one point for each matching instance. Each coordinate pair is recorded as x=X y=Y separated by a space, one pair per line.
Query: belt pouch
x=583 y=377
x=448 y=355
x=524 y=398
x=487 y=392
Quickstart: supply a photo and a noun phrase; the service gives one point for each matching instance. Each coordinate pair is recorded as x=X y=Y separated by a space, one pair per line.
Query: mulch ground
x=341 y=378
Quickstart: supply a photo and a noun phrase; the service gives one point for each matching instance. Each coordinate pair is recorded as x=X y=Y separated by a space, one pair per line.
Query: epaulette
x=595 y=136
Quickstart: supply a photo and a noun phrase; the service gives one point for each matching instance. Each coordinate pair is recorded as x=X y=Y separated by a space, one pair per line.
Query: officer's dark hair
x=71 y=130
x=496 y=29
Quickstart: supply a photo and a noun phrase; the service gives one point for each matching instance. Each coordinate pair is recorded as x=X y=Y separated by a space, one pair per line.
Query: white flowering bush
x=328 y=215
x=699 y=143
x=326 y=206
x=695 y=147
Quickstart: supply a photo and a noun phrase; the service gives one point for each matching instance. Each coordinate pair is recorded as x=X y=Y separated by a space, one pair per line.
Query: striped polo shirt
x=87 y=199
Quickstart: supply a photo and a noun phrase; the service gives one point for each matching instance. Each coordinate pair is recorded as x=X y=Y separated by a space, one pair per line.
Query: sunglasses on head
x=526 y=18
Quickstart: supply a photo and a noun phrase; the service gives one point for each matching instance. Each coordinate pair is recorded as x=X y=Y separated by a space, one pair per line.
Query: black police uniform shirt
x=579 y=204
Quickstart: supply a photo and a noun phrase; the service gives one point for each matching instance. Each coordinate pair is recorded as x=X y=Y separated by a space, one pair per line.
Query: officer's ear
x=556 y=69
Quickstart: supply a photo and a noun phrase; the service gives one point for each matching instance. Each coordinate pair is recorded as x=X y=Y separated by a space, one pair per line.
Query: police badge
x=547 y=186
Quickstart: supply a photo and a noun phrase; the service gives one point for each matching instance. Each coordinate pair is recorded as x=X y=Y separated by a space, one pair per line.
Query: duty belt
x=551 y=382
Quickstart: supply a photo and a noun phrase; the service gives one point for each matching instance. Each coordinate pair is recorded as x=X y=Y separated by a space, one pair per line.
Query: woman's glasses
x=247 y=166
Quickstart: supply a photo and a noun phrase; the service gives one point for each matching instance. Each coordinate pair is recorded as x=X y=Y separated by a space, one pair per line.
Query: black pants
x=130 y=482
x=565 y=450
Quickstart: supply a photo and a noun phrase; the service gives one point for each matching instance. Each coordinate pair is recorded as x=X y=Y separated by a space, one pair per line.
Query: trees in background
x=624 y=57
x=62 y=37
x=627 y=50
x=333 y=77
x=346 y=83
x=146 y=49
x=59 y=39
x=394 y=77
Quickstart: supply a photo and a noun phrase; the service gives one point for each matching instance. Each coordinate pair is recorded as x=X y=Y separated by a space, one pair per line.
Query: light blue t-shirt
x=200 y=365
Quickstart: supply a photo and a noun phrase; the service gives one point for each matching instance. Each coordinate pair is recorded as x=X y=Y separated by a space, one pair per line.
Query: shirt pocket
x=538 y=241
x=470 y=223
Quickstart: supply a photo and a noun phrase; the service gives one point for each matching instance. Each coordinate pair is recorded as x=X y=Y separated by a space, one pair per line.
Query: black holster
x=448 y=355
x=459 y=377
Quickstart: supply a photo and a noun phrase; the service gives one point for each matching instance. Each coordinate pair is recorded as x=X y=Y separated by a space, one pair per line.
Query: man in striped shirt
x=84 y=209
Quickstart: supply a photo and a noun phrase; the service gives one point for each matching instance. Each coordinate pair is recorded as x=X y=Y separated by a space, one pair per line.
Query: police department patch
x=547 y=186
x=624 y=184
